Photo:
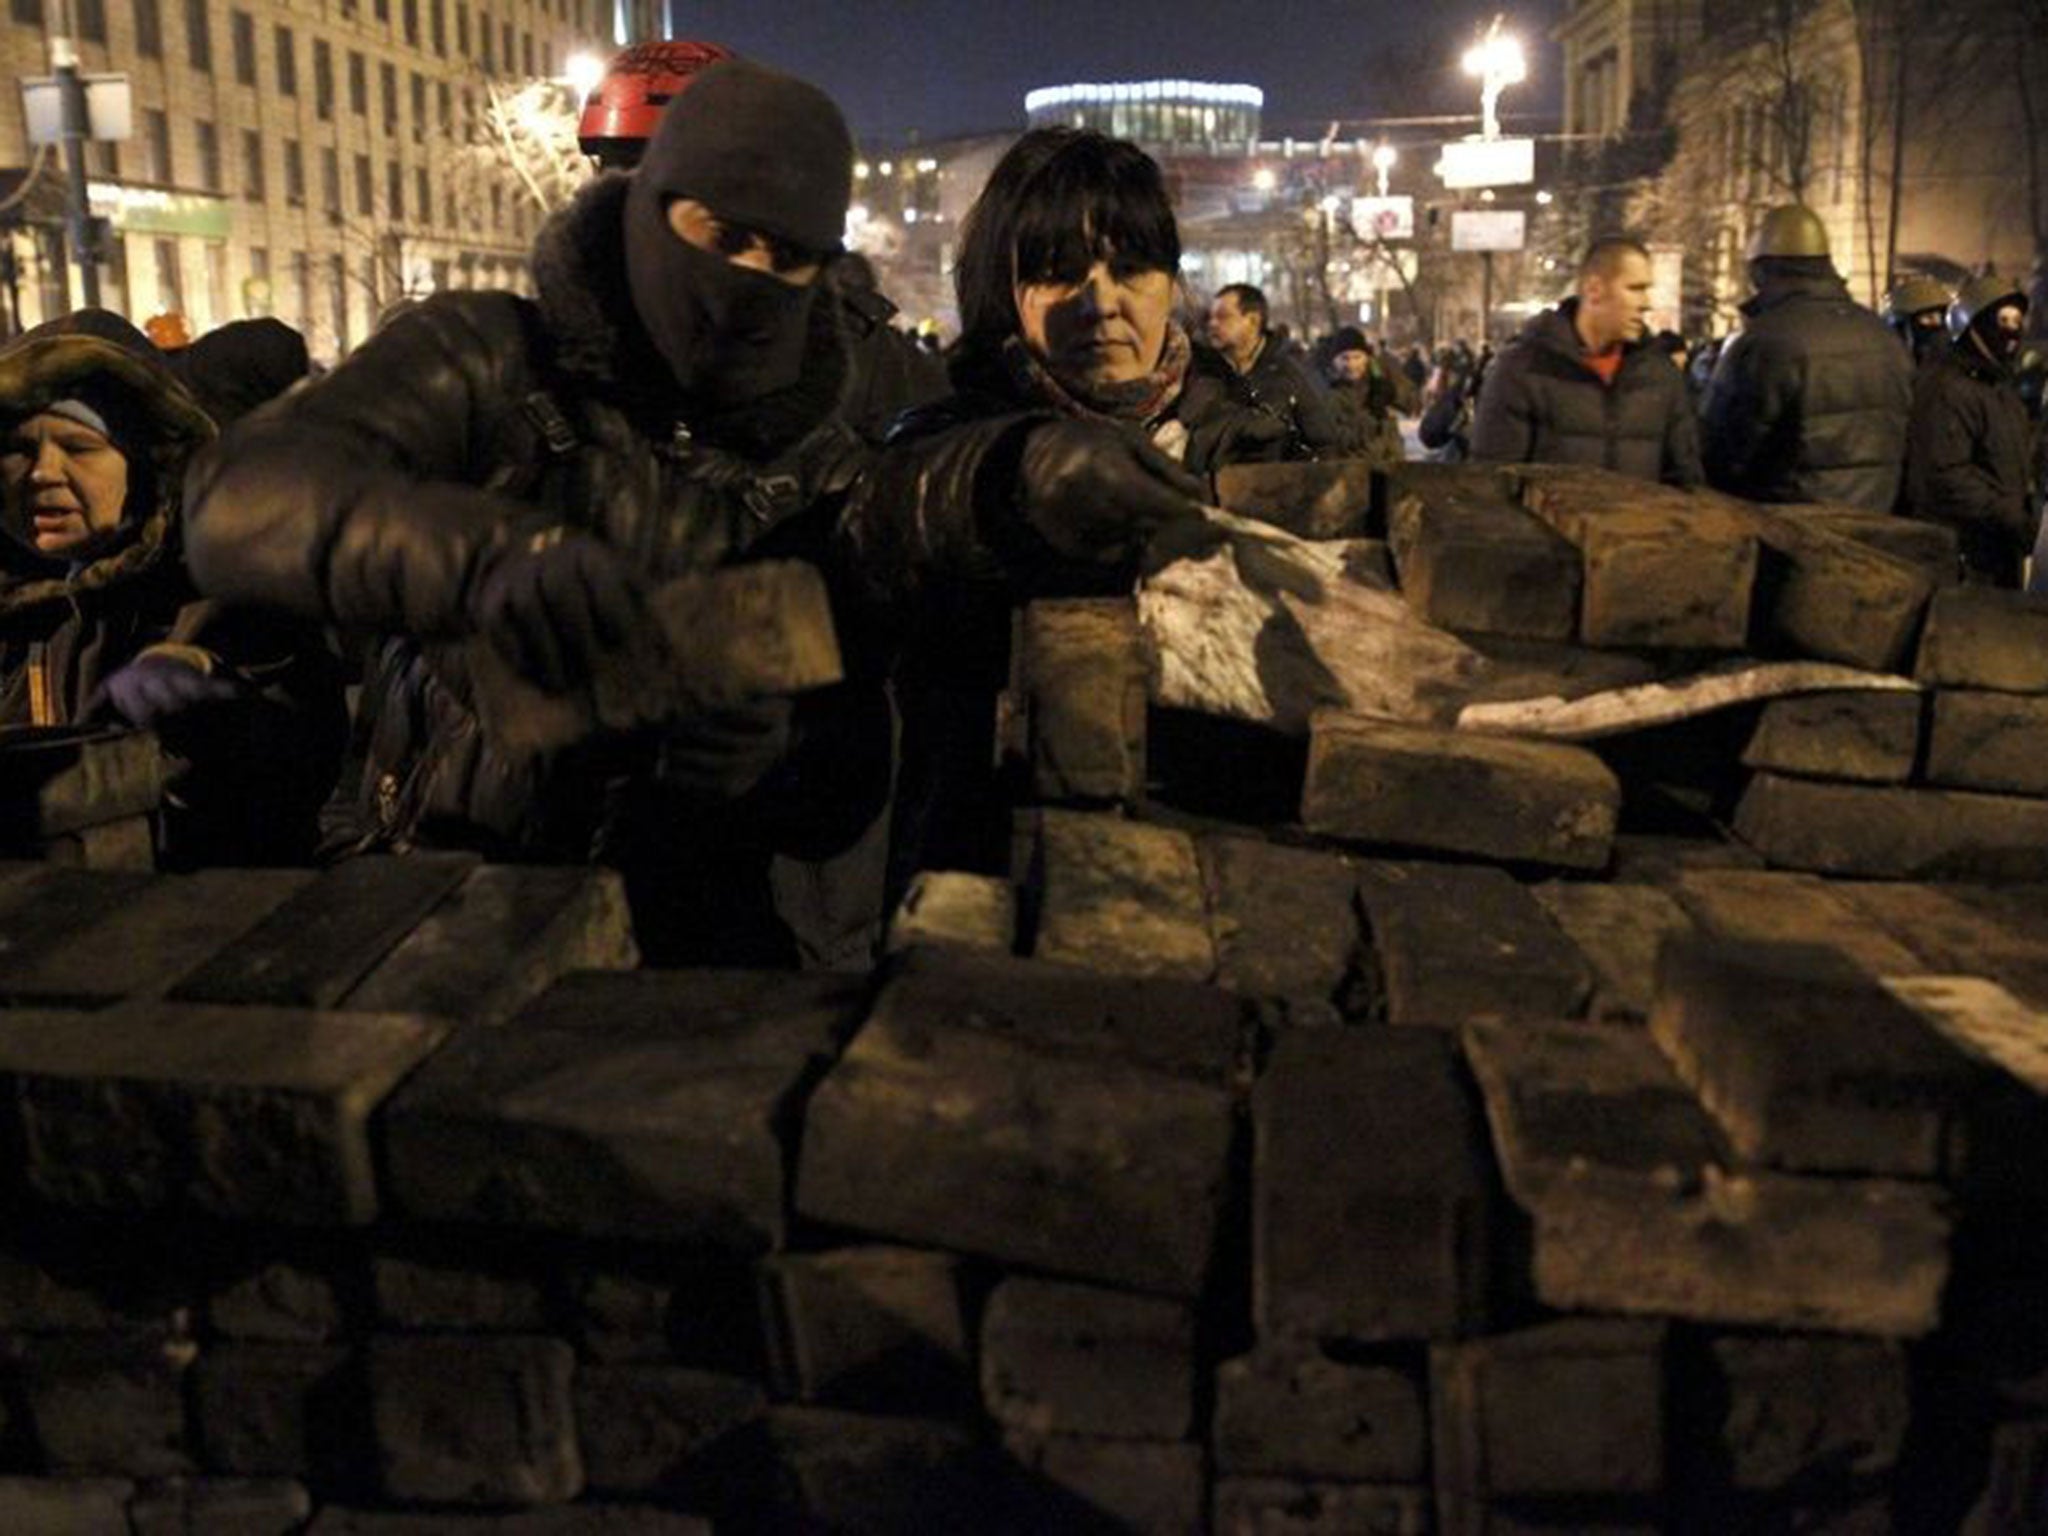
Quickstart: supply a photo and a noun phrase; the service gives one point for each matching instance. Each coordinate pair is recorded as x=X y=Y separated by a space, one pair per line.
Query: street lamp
x=1383 y=161
x=1496 y=61
x=584 y=71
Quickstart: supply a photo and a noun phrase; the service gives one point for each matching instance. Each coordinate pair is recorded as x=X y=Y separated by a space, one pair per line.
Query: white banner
x=1488 y=163
x=1488 y=229
x=1384 y=218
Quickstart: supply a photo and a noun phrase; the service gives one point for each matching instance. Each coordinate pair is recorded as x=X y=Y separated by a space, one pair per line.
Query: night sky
x=945 y=67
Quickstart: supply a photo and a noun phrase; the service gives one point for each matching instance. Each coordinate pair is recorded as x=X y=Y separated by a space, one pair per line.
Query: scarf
x=1141 y=400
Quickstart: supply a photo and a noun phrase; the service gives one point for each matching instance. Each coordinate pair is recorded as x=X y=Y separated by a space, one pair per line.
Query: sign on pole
x=1488 y=229
x=1667 y=286
x=107 y=107
x=1469 y=163
x=1384 y=218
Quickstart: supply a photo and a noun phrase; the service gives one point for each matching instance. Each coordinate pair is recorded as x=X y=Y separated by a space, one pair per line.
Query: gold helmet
x=1791 y=229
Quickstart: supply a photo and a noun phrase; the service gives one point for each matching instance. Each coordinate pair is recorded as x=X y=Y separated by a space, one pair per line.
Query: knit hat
x=758 y=148
x=1348 y=338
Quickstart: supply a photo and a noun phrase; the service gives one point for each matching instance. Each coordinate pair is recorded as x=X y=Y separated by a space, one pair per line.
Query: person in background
x=99 y=620
x=1810 y=398
x=1916 y=311
x=1365 y=396
x=1580 y=386
x=1274 y=377
x=235 y=368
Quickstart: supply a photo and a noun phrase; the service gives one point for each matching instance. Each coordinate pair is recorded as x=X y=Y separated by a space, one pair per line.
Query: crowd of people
x=215 y=544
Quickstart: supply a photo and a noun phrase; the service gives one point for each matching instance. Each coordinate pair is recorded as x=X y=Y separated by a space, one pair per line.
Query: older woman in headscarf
x=99 y=622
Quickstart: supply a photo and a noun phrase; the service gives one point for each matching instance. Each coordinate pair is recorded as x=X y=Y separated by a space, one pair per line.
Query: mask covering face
x=2001 y=344
x=729 y=334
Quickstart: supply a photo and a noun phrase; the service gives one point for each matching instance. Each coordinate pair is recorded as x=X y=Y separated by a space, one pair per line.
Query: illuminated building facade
x=1153 y=112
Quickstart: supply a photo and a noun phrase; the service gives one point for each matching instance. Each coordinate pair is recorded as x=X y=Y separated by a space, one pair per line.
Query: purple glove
x=155 y=686
x=726 y=752
x=553 y=608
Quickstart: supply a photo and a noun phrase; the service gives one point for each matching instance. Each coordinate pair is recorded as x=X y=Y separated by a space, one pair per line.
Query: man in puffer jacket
x=1579 y=386
x=1810 y=399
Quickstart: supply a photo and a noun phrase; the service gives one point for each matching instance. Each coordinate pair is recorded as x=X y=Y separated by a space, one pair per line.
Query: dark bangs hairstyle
x=1058 y=200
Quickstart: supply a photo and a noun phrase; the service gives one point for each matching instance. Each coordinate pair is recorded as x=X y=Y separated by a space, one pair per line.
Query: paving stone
x=276 y=1410
x=1079 y=1484
x=1618 y=929
x=108 y=1405
x=1424 y=787
x=1085 y=668
x=427 y=1297
x=1807 y=1062
x=1804 y=1411
x=1301 y=1414
x=1955 y=929
x=501 y=938
x=856 y=1472
x=474 y=1420
x=1370 y=1191
x=65 y=1506
x=1058 y=1153
x=1264 y=1506
x=1568 y=1409
x=64 y=780
x=1983 y=637
x=1654 y=858
x=1120 y=896
x=1322 y=499
x=80 y=1281
x=1479 y=562
x=1825 y=595
x=645 y=1104
x=873 y=1327
x=250 y=1112
x=1866 y=735
x=126 y=844
x=1634 y=1212
x=279 y=1303
x=651 y=1429
x=212 y=1506
x=1929 y=548
x=316 y=945
x=619 y=1316
x=1076 y=1359
x=1994 y=741
x=1883 y=833
x=1464 y=941
x=1661 y=569
x=956 y=910
x=1983 y=1020
x=1284 y=919
x=570 y=1520
x=696 y=1307
x=1782 y=908
x=138 y=937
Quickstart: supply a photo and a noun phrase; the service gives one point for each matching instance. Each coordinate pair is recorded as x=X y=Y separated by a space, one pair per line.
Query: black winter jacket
x=474 y=420
x=1541 y=404
x=1281 y=383
x=1809 y=400
x=1967 y=461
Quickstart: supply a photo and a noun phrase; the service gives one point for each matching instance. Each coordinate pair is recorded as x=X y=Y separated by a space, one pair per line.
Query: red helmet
x=620 y=115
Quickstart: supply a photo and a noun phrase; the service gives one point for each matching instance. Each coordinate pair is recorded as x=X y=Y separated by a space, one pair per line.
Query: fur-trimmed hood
x=46 y=365
x=579 y=271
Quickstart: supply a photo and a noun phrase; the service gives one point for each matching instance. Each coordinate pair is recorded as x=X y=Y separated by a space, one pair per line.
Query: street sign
x=1488 y=229
x=1383 y=218
x=156 y=211
x=1487 y=163
x=1667 y=286
x=107 y=104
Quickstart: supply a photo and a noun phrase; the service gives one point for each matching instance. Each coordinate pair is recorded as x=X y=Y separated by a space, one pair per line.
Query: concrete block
x=1479 y=562
x=1121 y=897
x=1462 y=941
x=1300 y=1414
x=1982 y=637
x=1373 y=781
x=499 y=939
x=277 y=1410
x=1751 y=906
x=323 y=939
x=1077 y=1484
x=1930 y=548
x=1825 y=595
x=1807 y=1063
x=1655 y=858
x=251 y=1112
x=474 y=1420
x=1905 y=834
x=1085 y=667
x=1325 y=499
x=104 y=1405
x=1994 y=741
x=1634 y=1211
x=1867 y=736
x=1618 y=929
x=1806 y=1410
x=1370 y=1191
x=278 y=1303
x=215 y=1506
x=1076 y=1359
x=653 y=1429
x=420 y=1297
x=853 y=1472
x=1271 y=1506
x=635 y=1104
x=66 y=1506
x=872 y=1327
x=1284 y=919
x=951 y=909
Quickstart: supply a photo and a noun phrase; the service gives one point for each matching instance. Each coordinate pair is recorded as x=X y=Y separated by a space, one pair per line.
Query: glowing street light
x=1497 y=62
x=1384 y=159
x=1264 y=179
x=583 y=70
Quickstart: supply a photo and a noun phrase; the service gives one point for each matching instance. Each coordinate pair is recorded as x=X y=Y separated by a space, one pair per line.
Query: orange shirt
x=1607 y=364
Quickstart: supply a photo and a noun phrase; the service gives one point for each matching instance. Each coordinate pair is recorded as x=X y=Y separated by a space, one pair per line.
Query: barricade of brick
x=1477 y=562
x=1085 y=671
x=868 y=1327
x=1457 y=941
x=1298 y=1413
x=1325 y=499
x=474 y=1421
x=1120 y=896
x=1885 y=833
x=1867 y=736
x=1284 y=920
x=1619 y=930
x=1982 y=637
x=1989 y=741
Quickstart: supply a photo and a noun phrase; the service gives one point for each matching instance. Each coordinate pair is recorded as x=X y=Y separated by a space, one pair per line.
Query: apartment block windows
x=92 y=19
x=156 y=146
x=242 y=41
x=462 y=29
x=294 y=174
x=410 y=12
x=323 y=80
x=358 y=84
x=387 y=88
x=330 y=183
x=198 y=36
x=149 y=29
x=170 y=276
x=366 y=186
x=28 y=13
x=287 y=63
x=419 y=108
x=394 y=192
x=439 y=17
x=422 y=196
x=252 y=165
x=209 y=155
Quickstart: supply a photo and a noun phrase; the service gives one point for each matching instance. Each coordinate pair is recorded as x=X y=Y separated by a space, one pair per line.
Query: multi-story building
x=317 y=160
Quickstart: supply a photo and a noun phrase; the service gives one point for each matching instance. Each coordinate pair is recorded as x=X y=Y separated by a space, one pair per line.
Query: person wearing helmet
x=1916 y=310
x=619 y=117
x=1967 y=457
x=1809 y=401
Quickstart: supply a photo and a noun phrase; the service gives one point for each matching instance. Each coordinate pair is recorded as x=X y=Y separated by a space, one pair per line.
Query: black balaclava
x=2001 y=346
x=762 y=150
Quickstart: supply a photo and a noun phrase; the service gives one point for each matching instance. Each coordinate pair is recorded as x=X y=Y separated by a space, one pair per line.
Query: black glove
x=1097 y=492
x=726 y=752
x=157 y=685
x=554 y=607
